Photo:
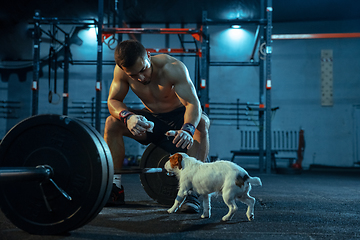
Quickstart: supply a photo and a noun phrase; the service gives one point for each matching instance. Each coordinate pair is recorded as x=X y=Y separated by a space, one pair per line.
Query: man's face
x=140 y=71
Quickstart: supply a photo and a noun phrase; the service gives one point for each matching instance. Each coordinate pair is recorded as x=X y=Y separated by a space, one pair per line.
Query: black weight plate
x=81 y=168
x=158 y=186
x=108 y=164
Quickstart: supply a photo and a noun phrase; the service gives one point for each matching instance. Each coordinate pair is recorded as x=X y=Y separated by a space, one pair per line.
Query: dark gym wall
x=331 y=132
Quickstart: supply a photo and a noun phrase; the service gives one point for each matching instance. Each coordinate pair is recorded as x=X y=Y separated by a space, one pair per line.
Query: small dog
x=223 y=177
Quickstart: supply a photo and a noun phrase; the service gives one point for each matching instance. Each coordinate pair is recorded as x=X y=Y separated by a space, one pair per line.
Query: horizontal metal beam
x=233 y=119
x=91 y=62
x=195 y=33
x=64 y=21
x=152 y=30
x=236 y=104
x=229 y=114
x=314 y=36
x=218 y=64
x=235 y=21
x=174 y=50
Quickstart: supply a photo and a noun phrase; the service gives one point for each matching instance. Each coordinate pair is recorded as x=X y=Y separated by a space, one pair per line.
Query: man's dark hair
x=127 y=52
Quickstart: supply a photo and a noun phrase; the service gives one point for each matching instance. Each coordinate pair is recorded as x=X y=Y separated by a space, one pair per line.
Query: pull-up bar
x=195 y=33
x=174 y=50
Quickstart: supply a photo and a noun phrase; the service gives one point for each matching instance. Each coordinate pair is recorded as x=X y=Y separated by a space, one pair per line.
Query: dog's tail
x=254 y=181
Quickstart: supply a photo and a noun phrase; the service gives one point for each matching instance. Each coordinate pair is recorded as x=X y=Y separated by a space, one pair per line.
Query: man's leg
x=113 y=135
x=114 y=132
x=200 y=148
x=200 y=151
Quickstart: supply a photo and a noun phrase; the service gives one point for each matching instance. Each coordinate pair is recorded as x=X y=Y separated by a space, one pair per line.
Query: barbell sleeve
x=18 y=174
x=141 y=170
x=153 y=170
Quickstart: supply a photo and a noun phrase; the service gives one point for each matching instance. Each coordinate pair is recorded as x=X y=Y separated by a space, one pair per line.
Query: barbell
x=58 y=172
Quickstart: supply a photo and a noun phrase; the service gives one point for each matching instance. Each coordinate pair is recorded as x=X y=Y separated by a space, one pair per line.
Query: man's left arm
x=185 y=90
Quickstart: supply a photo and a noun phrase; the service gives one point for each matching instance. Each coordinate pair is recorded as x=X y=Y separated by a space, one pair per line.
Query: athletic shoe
x=117 y=196
x=191 y=204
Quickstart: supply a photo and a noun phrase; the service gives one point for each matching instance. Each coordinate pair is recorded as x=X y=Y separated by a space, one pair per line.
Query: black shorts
x=163 y=122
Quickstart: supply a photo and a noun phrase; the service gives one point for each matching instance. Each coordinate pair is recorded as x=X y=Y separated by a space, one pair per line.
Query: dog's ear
x=175 y=160
x=179 y=160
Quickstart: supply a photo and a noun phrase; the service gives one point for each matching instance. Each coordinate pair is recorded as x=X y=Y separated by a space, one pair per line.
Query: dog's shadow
x=197 y=224
x=159 y=221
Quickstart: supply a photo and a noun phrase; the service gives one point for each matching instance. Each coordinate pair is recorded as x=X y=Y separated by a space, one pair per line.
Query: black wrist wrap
x=124 y=114
x=189 y=128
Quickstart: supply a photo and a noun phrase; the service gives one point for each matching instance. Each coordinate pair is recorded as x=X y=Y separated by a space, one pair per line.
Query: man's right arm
x=137 y=125
x=118 y=90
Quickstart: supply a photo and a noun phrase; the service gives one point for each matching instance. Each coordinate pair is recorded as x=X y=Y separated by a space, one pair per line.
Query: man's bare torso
x=159 y=95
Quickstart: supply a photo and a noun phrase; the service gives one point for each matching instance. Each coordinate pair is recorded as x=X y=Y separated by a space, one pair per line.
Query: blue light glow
x=91 y=34
x=236 y=43
x=235 y=34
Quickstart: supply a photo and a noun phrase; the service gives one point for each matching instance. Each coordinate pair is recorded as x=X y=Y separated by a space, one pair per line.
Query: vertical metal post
x=92 y=111
x=261 y=115
x=99 y=66
x=261 y=90
x=167 y=37
x=268 y=85
x=36 y=64
x=66 y=74
x=204 y=65
x=119 y=5
x=238 y=113
x=197 y=62
x=181 y=38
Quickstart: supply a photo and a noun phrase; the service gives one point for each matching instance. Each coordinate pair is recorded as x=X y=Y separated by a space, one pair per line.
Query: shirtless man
x=171 y=105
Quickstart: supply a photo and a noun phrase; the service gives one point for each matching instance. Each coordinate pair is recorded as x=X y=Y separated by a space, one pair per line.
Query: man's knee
x=116 y=128
x=110 y=120
x=204 y=124
x=113 y=125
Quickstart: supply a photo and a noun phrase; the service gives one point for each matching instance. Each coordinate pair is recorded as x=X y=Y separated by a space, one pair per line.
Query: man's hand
x=139 y=125
x=182 y=138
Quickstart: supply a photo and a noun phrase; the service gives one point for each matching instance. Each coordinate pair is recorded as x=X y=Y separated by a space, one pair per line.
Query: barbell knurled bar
x=8 y=174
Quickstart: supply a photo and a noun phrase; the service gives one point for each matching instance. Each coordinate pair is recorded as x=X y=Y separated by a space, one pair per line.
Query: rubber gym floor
x=316 y=204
